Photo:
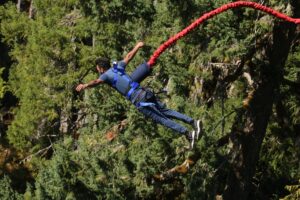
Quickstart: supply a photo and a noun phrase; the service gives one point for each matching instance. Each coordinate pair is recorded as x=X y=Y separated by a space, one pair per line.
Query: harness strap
x=115 y=70
x=140 y=101
x=133 y=85
x=144 y=104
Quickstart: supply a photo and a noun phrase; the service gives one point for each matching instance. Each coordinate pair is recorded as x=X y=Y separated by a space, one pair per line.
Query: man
x=142 y=98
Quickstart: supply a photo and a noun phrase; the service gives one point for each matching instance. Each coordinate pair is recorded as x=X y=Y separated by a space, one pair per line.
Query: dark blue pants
x=156 y=111
x=141 y=72
x=164 y=116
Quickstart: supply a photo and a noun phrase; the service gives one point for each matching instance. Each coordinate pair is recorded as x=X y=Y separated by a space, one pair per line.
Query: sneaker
x=198 y=128
x=190 y=136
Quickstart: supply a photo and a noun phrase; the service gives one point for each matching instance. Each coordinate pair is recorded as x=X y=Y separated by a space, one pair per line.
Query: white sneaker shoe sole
x=192 y=140
x=198 y=128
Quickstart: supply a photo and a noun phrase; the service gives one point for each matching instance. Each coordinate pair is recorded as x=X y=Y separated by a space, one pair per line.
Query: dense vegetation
x=239 y=72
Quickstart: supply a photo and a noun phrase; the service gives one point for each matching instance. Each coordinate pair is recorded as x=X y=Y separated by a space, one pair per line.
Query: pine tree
x=6 y=191
x=221 y=72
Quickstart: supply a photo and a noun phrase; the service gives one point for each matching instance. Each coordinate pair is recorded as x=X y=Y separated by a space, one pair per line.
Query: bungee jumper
x=143 y=98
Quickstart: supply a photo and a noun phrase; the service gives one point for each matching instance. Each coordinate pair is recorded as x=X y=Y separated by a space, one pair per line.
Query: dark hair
x=103 y=62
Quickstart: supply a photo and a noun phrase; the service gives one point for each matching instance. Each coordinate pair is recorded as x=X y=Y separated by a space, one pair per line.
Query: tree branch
x=42 y=151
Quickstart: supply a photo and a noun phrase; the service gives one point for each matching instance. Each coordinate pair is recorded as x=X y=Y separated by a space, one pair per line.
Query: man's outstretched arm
x=132 y=53
x=90 y=84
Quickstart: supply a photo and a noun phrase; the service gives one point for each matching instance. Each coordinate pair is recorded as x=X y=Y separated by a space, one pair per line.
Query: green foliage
x=292 y=73
x=55 y=50
x=2 y=84
x=6 y=190
x=294 y=192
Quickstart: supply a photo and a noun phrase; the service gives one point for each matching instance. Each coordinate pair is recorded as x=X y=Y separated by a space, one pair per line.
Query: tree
x=239 y=72
x=250 y=126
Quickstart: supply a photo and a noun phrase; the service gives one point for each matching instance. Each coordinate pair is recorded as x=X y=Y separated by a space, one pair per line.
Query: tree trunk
x=19 y=5
x=250 y=125
x=31 y=10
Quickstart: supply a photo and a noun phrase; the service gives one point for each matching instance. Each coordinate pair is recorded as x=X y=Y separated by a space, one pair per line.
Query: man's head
x=102 y=64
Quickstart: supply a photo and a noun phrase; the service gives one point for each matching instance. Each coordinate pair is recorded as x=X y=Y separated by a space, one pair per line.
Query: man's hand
x=130 y=55
x=90 y=84
x=81 y=87
x=140 y=44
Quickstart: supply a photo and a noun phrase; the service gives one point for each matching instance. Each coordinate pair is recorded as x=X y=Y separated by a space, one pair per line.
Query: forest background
x=239 y=72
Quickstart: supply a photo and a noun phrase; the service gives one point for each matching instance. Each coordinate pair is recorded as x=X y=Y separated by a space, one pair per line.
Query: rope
x=213 y=13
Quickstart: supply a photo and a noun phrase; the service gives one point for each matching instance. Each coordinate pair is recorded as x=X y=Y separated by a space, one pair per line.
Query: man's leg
x=174 y=114
x=197 y=124
x=154 y=113
x=141 y=72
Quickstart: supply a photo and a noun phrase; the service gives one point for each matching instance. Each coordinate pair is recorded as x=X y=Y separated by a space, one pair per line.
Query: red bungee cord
x=213 y=13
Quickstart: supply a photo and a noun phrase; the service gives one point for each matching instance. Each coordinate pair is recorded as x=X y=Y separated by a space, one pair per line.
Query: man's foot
x=198 y=128
x=190 y=136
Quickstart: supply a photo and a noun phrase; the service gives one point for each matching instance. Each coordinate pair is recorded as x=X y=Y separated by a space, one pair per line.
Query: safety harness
x=132 y=86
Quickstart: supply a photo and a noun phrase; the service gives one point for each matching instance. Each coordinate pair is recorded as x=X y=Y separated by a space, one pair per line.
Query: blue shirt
x=122 y=84
x=121 y=81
